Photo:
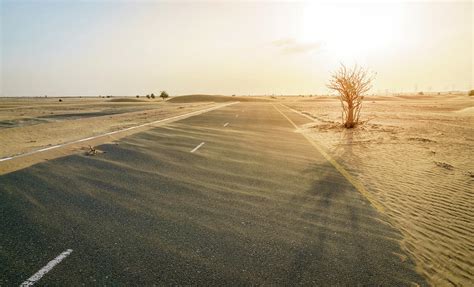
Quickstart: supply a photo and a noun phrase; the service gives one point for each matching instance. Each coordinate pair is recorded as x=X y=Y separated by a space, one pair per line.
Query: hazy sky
x=137 y=47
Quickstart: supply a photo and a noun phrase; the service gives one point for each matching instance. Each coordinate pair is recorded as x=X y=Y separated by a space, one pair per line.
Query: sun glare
x=351 y=33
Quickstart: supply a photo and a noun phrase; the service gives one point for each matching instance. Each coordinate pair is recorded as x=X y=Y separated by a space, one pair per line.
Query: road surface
x=235 y=196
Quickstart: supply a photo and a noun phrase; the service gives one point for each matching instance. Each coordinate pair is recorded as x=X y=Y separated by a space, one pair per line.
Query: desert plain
x=404 y=199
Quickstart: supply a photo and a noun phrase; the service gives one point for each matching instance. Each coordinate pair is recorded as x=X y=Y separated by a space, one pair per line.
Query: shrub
x=137 y=96
x=351 y=85
x=164 y=95
x=147 y=96
x=152 y=95
x=421 y=93
x=471 y=93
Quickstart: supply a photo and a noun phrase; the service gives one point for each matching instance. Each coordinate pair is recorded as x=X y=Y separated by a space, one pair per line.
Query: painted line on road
x=226 y=124
x=199 y=145
x=48 y=148
x=6 y=158
x=298 y=112
x=117 y=131
x=357 y=184
x=38 y=275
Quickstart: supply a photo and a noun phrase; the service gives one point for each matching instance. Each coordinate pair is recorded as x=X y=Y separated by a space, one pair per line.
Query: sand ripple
x=418 y=164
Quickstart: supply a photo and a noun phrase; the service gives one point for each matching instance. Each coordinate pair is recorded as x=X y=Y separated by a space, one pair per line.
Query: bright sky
x=132 y=47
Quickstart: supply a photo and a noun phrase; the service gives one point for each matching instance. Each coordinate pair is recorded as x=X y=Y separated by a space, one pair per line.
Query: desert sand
x=29 y=124
x=255 y=205
x=414 y=155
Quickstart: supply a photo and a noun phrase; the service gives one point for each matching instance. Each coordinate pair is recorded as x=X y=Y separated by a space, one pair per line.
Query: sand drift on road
x=415 y=157
x=242 y=178
x=199 y=202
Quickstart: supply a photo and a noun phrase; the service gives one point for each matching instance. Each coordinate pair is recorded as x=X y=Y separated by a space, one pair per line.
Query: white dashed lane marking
x=38 y=275
x=196 y=148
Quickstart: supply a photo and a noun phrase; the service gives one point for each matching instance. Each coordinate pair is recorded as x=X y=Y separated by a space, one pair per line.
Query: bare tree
x=351 y=84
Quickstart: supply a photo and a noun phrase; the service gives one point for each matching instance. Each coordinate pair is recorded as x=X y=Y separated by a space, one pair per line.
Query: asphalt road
x=254 y=203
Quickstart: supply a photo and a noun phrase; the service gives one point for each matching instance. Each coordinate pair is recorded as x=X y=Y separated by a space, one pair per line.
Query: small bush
x=147 y=96
x=421 y=93
x=137 y=96
x=152 y=95
x=92 y=151
x=164 y=95
x=471 y=93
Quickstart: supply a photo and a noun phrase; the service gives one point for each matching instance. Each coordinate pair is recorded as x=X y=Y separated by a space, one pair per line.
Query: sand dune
x=415 y=156
x=215 y=98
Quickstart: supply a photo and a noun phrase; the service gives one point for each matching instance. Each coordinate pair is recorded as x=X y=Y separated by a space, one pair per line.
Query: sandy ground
x=29 y=124
x=255 y=205
x=414 y=155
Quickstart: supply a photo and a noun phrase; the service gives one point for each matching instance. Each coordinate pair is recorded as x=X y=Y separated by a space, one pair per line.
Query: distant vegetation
x=471 y=93
x=164 y=95
x=351 y=84
x=149 y=96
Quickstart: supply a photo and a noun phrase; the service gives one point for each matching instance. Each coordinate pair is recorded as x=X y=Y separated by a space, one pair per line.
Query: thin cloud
x=291 y=46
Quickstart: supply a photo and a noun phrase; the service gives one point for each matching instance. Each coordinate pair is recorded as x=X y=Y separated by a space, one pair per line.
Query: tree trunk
x=350 y=117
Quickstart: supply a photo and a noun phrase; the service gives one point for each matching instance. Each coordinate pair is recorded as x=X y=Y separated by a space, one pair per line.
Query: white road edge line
x=226 y=124
x=117 y=131
x=196 y=148
x=38 y=275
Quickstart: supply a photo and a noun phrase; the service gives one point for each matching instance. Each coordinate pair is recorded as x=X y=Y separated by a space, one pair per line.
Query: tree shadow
x=349 y=241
